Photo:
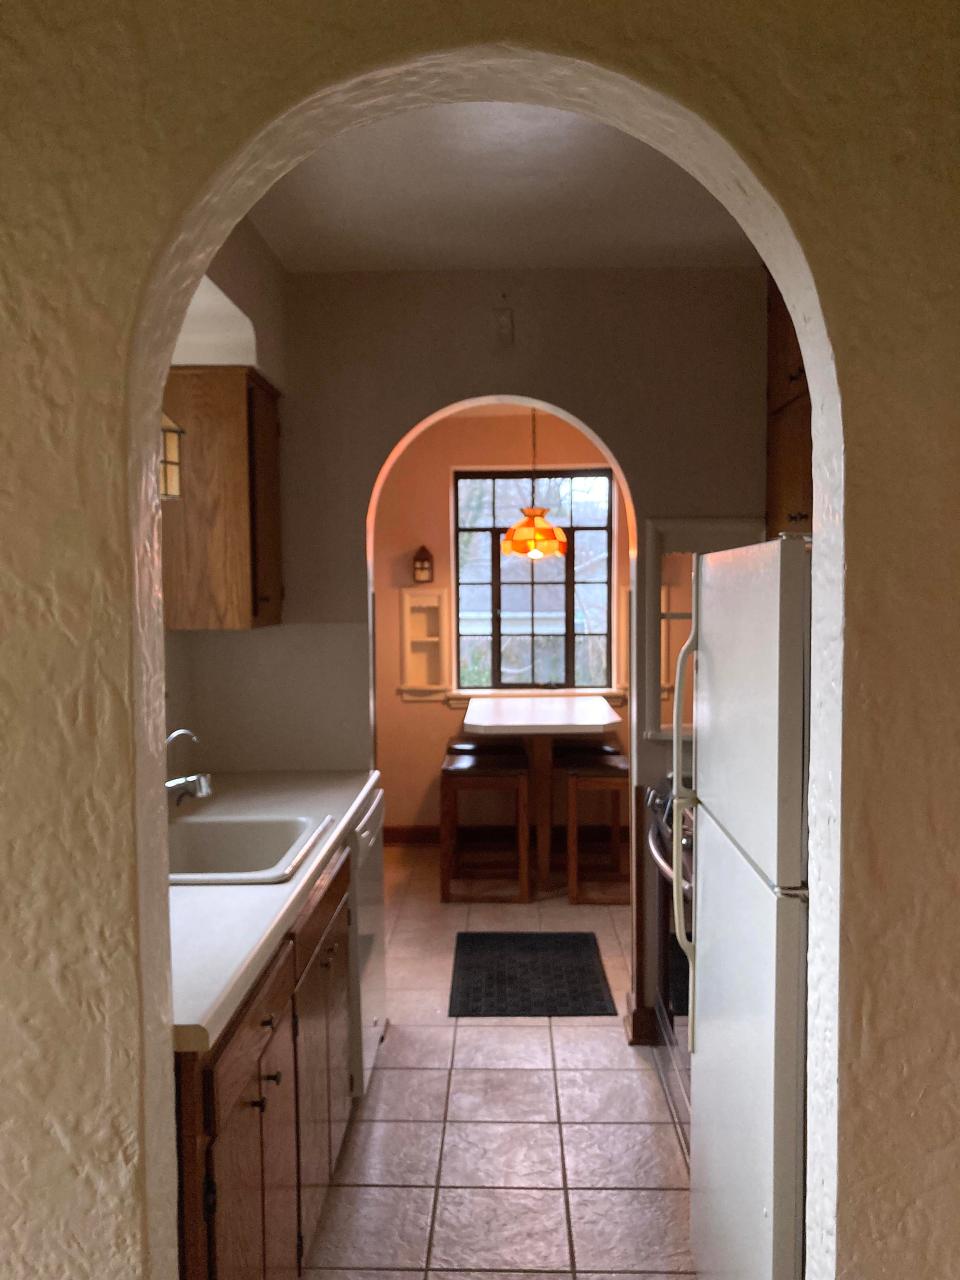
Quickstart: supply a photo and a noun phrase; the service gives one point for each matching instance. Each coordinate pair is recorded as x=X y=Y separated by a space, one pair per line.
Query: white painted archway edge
x=480 y=402
x=500 y=74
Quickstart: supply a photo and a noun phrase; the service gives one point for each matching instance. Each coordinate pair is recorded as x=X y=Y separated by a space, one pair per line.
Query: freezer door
x=750 y=701
x=747 y=1085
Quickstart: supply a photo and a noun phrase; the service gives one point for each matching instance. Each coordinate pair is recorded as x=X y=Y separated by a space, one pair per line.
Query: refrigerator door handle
x=680 y=680
x=683 y=798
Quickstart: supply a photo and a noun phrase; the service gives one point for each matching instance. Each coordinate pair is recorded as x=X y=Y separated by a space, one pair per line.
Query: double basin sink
x=240 y=850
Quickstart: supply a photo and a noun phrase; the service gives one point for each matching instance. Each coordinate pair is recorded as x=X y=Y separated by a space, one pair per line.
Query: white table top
x=551 y=715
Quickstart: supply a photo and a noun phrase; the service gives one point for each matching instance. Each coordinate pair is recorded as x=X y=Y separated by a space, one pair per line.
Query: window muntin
x=533 y=624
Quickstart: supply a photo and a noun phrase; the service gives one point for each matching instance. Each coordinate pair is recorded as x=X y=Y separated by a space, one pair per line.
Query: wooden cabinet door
x=278 y=1086
x=236 y=1209
x=786 y=378
x=336 y=942
x=206 y=531
x=264 y=426
x=790 y=470
x=313 y=1091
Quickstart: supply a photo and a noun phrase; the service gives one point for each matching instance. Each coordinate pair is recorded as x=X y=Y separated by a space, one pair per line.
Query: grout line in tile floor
x=563 y=1159
x=642 y=1124
x=443 y=1138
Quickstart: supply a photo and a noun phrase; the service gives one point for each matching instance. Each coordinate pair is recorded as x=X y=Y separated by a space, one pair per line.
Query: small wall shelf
x=424 y=644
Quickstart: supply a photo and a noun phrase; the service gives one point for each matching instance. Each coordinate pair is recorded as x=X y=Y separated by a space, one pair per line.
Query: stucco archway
x=498 y=74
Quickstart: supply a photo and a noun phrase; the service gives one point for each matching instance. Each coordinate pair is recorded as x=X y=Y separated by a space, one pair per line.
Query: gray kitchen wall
x=666 y=365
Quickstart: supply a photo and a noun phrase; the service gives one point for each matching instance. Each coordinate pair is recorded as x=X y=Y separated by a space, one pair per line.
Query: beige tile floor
x=485 y=1148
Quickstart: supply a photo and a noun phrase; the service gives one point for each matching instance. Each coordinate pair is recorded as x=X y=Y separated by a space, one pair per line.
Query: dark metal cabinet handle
x=269 y=1021
x=274 y=1077
x=260 y=1104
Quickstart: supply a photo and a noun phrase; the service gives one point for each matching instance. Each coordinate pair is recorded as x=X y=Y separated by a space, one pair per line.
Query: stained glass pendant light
x=534 y=536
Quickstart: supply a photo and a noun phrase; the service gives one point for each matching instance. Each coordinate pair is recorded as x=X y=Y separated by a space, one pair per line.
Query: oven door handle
x=664 y=864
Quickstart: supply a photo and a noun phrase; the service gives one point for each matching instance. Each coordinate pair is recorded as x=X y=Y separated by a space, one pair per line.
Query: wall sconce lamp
x=422 y=565
x=171 y=456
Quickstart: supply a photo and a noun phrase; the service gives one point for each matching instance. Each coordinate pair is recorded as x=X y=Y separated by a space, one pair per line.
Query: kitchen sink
x=240 y=850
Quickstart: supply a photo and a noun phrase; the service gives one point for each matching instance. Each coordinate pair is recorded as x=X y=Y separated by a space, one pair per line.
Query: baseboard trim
x=411 y=835
x=641 y=1024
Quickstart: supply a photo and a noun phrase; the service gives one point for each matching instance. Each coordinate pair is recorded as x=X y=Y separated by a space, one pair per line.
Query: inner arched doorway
x=411 y=504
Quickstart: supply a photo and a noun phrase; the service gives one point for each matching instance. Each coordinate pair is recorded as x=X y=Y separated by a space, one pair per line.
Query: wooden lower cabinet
x=261 y=1117
x=235 y=1191
x=281 y=1207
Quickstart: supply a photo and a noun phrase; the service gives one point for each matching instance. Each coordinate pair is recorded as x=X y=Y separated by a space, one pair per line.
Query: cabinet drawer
x=313 y=921
x=245 y=1040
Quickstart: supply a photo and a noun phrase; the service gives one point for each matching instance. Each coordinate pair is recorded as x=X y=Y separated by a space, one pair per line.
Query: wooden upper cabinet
x=790 y=469
x=221 y=537
x=786 y=378
x=789 y=445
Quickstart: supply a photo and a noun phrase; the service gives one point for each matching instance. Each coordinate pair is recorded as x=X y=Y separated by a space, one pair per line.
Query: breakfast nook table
x=538 y=720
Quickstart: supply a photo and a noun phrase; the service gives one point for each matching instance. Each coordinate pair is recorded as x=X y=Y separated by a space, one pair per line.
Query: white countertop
x=589 y=713
x=222 y=936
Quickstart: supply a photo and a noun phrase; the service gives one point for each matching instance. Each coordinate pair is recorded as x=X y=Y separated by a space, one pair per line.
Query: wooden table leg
x=540 y=753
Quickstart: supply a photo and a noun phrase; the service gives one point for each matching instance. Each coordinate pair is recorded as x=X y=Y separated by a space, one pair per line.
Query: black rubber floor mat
x=529 y=975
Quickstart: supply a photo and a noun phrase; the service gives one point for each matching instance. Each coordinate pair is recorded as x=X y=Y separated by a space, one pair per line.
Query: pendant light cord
x=533 y=433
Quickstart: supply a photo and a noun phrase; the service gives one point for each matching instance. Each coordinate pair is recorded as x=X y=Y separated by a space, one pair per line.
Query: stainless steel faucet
x=191 y=784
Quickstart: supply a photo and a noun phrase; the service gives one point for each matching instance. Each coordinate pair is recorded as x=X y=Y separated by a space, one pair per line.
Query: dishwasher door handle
x=369 y=826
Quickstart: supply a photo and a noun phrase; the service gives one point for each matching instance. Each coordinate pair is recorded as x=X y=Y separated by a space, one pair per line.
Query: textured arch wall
x=131 y=140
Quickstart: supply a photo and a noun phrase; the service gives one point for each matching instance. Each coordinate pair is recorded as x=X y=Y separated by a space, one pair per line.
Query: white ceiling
x=491 y=186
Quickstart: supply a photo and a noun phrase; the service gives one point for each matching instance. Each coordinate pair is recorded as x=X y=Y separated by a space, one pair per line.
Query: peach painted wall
x=415 y=509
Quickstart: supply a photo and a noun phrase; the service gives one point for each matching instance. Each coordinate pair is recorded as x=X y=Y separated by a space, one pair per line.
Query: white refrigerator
x=750 y=640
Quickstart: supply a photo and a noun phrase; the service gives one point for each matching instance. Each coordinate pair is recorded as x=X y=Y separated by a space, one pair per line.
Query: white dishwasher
x=368 y=976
